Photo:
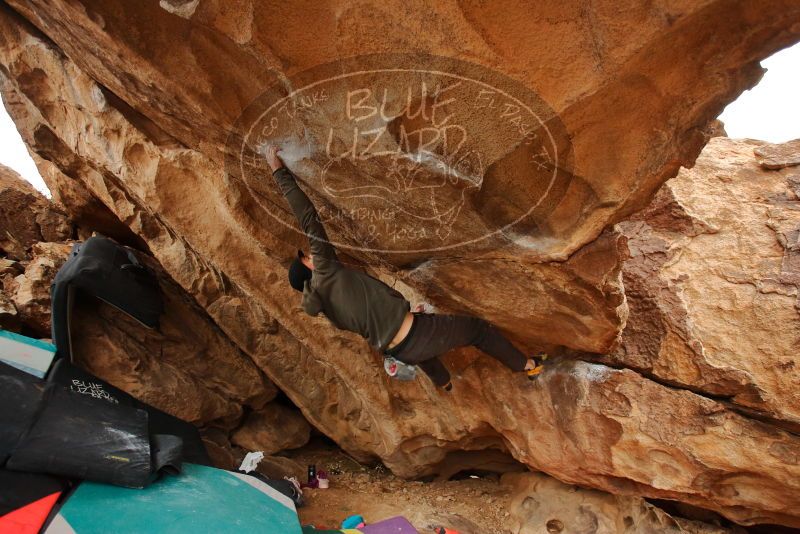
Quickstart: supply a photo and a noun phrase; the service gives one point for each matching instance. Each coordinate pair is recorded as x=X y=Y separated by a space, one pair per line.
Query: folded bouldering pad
x=101 y=268
x=29 y=519
x=395 y=525
x=85 y=383
x=26 y=500
x=21 y=396
x=200 y=499
x=76 y=436
x=18 y=490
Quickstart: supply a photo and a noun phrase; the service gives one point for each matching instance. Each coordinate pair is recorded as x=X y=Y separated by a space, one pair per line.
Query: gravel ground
x=469 y=505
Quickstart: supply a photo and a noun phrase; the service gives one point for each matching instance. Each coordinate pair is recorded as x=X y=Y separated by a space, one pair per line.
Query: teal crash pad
x=201 y=499
x=26 y=354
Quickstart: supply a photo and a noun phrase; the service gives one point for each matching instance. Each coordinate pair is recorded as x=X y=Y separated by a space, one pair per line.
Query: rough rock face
x=135 y=107
x=26 y=217
x=778 y=156
x=30 y=290
x=541 y=504
x=573 y=76
x=273 y=429
x=9 y=317
x=186 y=367
x=712 y=282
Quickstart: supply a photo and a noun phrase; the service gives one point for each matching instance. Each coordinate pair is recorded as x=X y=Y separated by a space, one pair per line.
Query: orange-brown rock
x=272 y=429
x=541 y=504
x=31 y=289
x=712 y=282
x=9 y=319
x=281 y=467
x=26 y=217
x=87 y=212
x=220 y=450
x=186 y=367
x=601 y=83
x=778 y=155
x=137 y=101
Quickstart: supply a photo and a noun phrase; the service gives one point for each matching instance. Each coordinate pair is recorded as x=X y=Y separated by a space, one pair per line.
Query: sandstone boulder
x=716 y=128
x=778 y=155
x=226 y=455
x=604 y=118
x=712 y=283
x=26 y=217
x=9 y=268
x=143 y=106
x=219 y=449
x=88 y=213
x=540 y=504
x=9 y=319
x=281 y=467
x=272 y=429
x=186 y=367
x=31 y=294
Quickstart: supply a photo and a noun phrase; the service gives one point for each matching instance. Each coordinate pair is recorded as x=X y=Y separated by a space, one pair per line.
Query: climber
x=355 y=301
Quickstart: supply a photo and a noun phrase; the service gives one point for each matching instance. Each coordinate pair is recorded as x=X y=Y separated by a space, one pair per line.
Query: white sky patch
x=770 y=111
x=14 y=154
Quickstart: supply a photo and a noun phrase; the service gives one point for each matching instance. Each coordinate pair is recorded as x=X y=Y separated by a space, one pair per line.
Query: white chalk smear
x=590 y=371
x=292 y=150
x=436 y=163
x=536 y=244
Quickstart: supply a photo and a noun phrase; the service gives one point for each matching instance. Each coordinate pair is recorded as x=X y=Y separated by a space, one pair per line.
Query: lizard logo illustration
x=428 y=184
x=406 y=151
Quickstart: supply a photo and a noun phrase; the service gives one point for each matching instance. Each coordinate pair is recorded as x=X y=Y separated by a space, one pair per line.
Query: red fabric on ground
x=30 y=518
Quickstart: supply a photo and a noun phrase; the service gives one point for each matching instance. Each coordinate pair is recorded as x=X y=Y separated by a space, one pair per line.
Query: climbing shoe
x=538 y=365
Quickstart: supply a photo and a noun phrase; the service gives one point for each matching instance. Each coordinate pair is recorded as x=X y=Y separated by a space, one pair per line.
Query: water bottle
x=312 y=475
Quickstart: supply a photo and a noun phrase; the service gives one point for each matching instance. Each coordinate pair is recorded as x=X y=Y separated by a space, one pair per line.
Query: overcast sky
x=770 y=111
x=14 y=154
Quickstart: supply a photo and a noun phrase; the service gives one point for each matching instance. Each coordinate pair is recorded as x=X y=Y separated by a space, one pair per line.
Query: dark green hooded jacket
x=350 y=299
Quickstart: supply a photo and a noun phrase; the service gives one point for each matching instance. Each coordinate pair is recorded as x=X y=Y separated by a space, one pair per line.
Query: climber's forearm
x=306 y=214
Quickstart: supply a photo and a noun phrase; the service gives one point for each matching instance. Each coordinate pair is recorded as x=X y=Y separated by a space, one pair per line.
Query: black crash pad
x=20 y=398
x=84 y=382
x=101 y=268
x=76 y=436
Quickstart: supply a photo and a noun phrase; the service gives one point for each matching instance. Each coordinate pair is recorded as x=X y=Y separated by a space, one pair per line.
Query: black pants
x=432 y=335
